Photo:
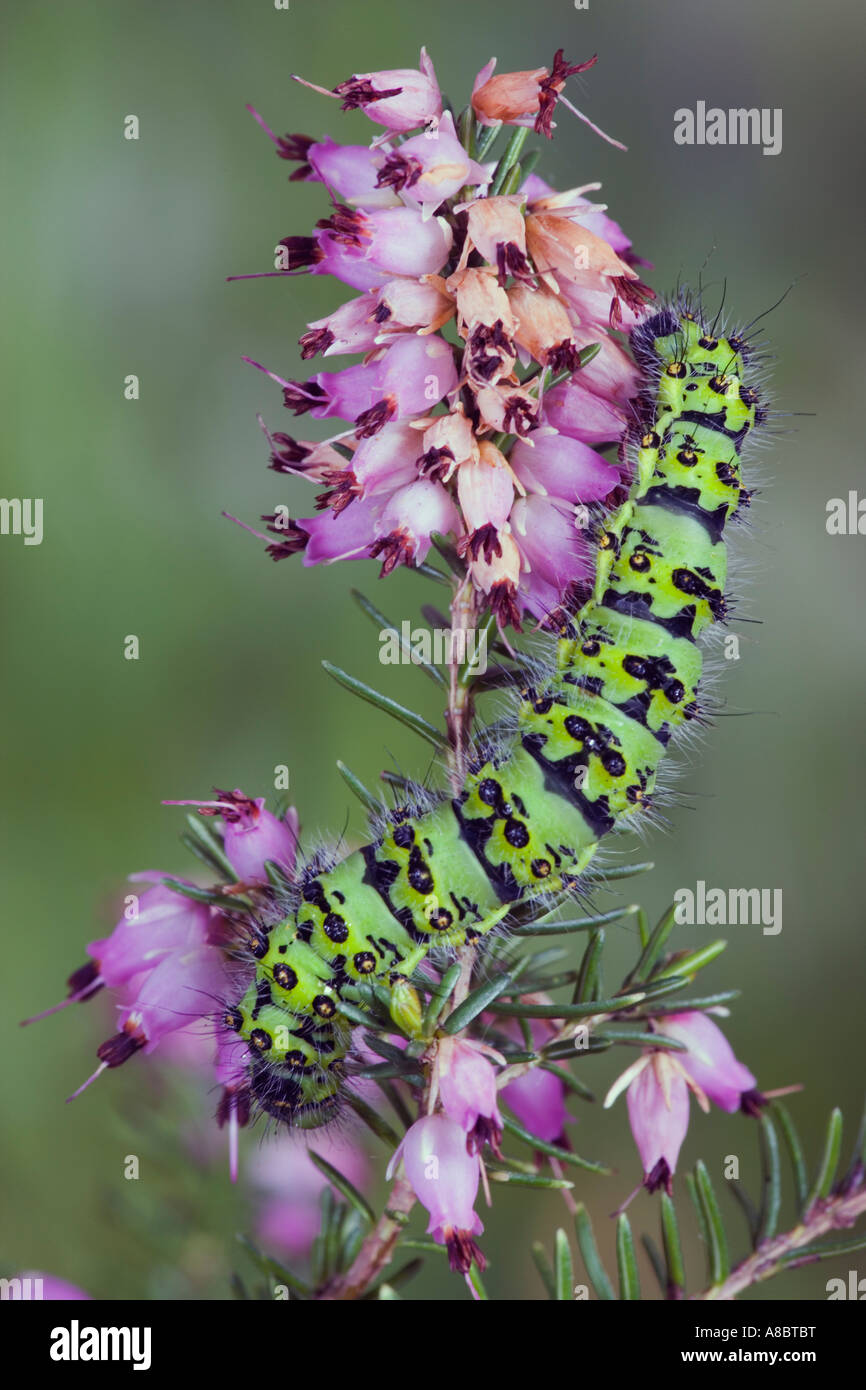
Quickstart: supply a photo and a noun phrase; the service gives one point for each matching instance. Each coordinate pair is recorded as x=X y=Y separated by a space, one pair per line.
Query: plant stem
x=831 y=1214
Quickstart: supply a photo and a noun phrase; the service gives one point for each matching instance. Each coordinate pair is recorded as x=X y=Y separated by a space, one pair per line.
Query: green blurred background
x=115 y=263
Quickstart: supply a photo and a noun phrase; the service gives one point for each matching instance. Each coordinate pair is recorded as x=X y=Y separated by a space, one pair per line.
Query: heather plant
x=558 y=453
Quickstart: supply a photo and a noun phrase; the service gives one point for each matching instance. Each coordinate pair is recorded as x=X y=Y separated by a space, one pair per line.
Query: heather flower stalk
x=475 y=298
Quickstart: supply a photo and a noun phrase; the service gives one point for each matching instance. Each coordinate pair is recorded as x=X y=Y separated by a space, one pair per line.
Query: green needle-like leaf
x=273 y=1269
x=542 y=1264
x=372 y=1119
x=637 y=1039
x=509 y=158
x=204 y=895
x=688 y=963
x=399 y=712
x=588 y=981
x=717 y=1241
x=613 y=875
x=518 y=1179
x=676 y=1274
x=476 y=1002
x=596 y=1006
x=439 y=997
x=430 y=572
x=626 y=1261
x=656 y=1261
x=385 y=625
x=651 y=952
x=568 y=1080
x=552 y=1150
x=829 y=1161
x=750 y=1211
x=858 y=1154
x=808 y=1253
x=589 y=1253
x=771 y=1194
x=474 y=1278
x=564 y=1270
x=365 y=797
x=795 y=1153
x=572 y=924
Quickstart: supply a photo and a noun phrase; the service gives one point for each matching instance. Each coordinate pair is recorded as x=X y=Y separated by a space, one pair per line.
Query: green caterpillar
x=585 y=755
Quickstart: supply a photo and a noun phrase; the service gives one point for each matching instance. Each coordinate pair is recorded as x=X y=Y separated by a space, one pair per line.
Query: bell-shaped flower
x=351 y=328
x=447 y=442
x=444 y=1178
x=553 y=549
x=538 y=1096
x=467 y=1088
x=528 y=98
x=252 y=835
x=572 y=409
x=556 y=466
x=429 y=170
x=658 y=1112
x=485 y=489
x=400 y=99
x=710 y=1059
x=154 y=924
x=403 y=304
x=403 y=379
x=405 y=528
x=496 y=229
x=183 y=989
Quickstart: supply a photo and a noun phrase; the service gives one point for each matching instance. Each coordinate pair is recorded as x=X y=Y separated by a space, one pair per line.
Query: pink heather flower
x=350 y=171
x=553 y=551
x=710 y=1060
x=163 y=922
x=444 y=1178
x=429 y=170
x=252 y=836
x=405 y=528
x=541 y=195
x=538 y=1100
x=658 y=1111
x=467 y=1089
x=288 y=1186
x=658 y=1085
x=404 y=379
x=573 y=409
x=183 y=988
x=562 y=468
x=529 y=98
x=400 y=99
x=537 y=1097
x=351 y=328
x=47 y=1287
x=485 y=488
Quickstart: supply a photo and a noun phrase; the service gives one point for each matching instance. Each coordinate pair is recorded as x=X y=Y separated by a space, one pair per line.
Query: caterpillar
x=585 y=753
